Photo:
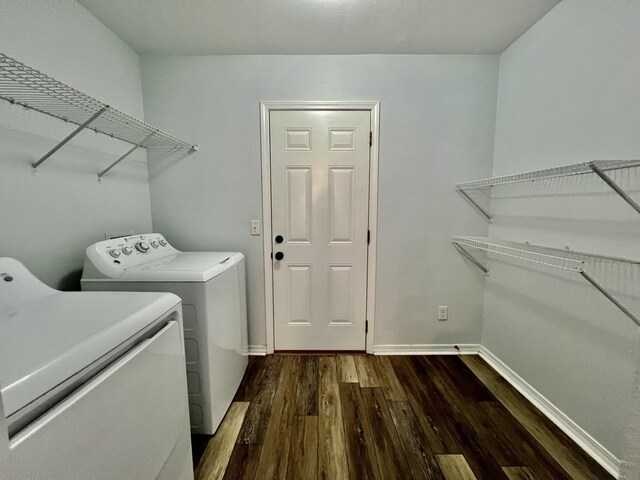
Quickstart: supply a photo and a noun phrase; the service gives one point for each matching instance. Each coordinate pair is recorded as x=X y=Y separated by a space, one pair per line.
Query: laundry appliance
x=92 y=384
x=212 y=288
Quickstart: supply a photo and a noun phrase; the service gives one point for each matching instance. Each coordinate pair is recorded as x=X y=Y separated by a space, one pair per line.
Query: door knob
x=279 y=239
x=279 y=256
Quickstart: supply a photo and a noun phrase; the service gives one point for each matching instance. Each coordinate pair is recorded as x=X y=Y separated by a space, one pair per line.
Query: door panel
x=340 y=294
x=298 y=202
x=299 y=290
x=342 y=204
x=320 y=196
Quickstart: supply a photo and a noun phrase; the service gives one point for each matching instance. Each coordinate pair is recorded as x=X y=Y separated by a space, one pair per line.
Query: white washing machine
x=212 y=288
x=92 y=384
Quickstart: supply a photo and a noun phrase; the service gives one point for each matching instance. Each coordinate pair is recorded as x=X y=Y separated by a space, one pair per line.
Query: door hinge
x=368 y=237
x=366 y=326
x=370 y=139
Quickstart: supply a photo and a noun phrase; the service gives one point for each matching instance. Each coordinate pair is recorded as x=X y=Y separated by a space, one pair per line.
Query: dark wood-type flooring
x=365 y=417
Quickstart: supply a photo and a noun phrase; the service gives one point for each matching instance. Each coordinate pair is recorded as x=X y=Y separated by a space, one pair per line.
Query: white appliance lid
x=183 y=267
x=47 y=336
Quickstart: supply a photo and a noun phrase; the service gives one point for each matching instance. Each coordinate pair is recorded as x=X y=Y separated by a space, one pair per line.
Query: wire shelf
x=552 y=257
x=23 y=85
x=598 y=167
x=564 y=171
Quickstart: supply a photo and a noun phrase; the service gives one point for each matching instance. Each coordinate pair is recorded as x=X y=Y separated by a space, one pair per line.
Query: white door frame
x=265 y=109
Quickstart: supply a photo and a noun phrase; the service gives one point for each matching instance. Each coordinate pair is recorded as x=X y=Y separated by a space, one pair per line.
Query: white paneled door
x=319 y=201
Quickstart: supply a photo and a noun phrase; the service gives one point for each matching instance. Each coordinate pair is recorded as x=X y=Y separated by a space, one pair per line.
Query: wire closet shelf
x=552 y=257
x=598 y=167
x=30 y=88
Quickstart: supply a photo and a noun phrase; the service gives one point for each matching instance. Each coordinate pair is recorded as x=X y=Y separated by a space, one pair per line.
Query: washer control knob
x=114 y=253
x=154 y=244
x=127 y=250
x=163 y=242
x=142 y=247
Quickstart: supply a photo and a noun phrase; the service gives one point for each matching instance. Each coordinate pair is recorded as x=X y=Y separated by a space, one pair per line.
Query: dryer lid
x=47 y=336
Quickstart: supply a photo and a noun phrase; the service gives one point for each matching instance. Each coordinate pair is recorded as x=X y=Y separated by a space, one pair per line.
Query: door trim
x=265 y=109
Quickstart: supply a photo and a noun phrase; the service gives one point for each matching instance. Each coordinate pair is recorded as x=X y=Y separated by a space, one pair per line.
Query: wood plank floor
x=332 y=417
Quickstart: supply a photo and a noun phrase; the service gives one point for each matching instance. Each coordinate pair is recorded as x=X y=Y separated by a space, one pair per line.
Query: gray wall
x=568 y=93
x=47 y=220
x=437 y=127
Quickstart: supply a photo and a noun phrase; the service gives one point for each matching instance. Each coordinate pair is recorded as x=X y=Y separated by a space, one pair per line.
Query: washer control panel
x=125 y=252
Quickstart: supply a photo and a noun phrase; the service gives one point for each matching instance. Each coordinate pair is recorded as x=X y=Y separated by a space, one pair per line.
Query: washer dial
x=142 y=247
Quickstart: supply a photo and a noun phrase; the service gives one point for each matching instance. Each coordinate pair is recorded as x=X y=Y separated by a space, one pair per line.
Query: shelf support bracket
x=35 y=165
x=474 y=203
x=470 y=257
x=129 y=152
x=614 y=186
x=603 y=291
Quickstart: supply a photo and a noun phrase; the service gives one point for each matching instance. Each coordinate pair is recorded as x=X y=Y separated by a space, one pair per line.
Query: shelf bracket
x=613 y=300
x=474 y=203
x=35 y=165
x=614 y=186
x=129 y=152
x=470 y=257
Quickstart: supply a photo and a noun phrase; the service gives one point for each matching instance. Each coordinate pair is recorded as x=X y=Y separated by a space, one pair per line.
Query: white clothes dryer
x=93 y=384
x=212 y=288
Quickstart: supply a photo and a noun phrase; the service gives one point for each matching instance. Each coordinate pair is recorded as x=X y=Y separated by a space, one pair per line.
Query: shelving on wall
x=23 y=85
x=563 y=259
x=597 y=167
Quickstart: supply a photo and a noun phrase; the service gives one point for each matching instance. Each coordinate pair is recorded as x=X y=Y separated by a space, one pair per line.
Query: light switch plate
x=255 y=227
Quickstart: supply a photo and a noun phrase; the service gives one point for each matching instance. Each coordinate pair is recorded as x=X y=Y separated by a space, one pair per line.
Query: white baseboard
x=589 y=444
x=259 y=350
x=427 y=349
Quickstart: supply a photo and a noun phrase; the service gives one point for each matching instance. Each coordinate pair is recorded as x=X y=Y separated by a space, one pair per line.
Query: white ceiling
x=210 y=27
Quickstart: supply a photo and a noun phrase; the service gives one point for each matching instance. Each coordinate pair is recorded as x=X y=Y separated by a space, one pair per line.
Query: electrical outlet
x=255 y=227
x=443 y=312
